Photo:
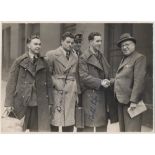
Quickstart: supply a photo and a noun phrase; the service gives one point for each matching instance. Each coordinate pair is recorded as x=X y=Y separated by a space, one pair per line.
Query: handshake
x=106 y=83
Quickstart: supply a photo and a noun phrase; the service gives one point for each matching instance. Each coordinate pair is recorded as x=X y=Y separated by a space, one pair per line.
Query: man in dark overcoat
x=28 y=90
x=94 y=74
x=78 y=38
x=77 y=48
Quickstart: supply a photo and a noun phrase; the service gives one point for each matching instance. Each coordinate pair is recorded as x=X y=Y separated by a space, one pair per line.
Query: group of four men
x=45 y=90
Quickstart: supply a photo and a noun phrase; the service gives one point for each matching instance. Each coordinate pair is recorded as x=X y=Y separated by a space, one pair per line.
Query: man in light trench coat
x=94 y=72
x=63 y=66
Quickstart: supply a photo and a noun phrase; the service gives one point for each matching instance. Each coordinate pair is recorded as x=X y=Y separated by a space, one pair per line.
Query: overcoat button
x=59 y=108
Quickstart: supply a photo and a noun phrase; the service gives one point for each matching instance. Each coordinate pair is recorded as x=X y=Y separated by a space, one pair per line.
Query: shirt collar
x=93 y=51
x=31 y=55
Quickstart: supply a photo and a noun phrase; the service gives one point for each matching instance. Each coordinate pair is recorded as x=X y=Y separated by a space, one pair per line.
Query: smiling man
x=129 y=83
x=94 y=73
x=28 y=91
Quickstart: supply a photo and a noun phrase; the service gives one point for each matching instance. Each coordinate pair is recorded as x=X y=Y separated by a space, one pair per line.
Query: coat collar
x=27 y=64
x=126 y=60
x=61 y=58
x=92 y=59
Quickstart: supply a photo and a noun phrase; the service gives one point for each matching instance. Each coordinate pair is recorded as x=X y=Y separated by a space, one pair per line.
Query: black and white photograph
x=77 y=77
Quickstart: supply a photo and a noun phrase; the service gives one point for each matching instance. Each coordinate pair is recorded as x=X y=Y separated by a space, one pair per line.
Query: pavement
x=112 y=128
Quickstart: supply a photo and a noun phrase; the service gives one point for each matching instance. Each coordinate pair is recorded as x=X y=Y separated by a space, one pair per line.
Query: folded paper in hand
x=140 y=108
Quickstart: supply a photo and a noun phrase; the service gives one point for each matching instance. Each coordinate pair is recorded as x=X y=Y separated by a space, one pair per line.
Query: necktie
x=67 y=54
x=34 y=60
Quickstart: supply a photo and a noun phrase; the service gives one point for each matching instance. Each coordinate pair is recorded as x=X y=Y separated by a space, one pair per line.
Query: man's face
x=127 y=47
x=96 y=43
x=35 y=46
x=77 y=45
x=67 y=44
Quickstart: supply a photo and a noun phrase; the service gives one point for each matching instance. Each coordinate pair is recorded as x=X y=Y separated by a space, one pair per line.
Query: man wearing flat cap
x=78 y=37
x=129 y=83
x=78 y=43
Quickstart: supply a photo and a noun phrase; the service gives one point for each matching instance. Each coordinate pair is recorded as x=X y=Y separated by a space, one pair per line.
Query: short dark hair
x=67 y=34
x=92 y=35
x=32 y=36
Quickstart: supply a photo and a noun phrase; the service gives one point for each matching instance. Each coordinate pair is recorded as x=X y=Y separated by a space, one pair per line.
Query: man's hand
x=132 y=106
x=9 y=109
x=50 y=108
x=112 y=80
x=105 y=83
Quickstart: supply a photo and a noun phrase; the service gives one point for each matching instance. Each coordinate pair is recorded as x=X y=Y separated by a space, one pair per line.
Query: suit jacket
x=130 y=77
x=65 y=89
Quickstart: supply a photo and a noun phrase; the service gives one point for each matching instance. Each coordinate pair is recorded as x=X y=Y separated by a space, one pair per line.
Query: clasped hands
x=105 y=83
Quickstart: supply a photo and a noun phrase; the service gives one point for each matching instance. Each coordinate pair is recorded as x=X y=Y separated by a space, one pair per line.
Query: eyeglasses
x=126 y=45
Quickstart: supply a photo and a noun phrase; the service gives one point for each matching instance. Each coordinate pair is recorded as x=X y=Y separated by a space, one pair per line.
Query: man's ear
x=90 y=42
x=28 y=45
x=61 y=42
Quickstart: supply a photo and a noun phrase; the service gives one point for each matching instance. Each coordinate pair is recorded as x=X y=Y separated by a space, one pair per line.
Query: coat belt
x=72 y=78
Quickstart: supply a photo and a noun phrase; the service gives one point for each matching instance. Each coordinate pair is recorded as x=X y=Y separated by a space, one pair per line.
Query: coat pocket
x=19 y=108
x=27 y=94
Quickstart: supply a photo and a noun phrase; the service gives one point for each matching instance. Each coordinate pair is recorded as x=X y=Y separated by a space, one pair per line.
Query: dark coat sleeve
x=139 y=79
x=49 y=58
x=78 y=79
x=49 y=87
x=49 y=80
x=87 y=79
x=11 y=84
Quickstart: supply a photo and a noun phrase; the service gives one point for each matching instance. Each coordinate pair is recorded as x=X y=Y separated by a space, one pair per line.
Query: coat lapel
x=72 y=60
x=126 y=61
x=40 y=65
x=93 y=60
x=106 y=66
x=61 y=58
x=27 y=65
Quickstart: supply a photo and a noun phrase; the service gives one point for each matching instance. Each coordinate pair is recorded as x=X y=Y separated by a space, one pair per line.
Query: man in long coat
x=94 y=74
x=78 y=38
x=63 y=66
x=28 y=90
x=129 y=83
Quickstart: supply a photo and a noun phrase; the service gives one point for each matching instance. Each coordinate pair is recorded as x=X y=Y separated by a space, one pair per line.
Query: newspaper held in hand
x=140 y=108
